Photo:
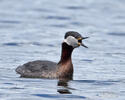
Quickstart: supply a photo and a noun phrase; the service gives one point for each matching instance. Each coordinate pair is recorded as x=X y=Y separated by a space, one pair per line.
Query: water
x=34 y=29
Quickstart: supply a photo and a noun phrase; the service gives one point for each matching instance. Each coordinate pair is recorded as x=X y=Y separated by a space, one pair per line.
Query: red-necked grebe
x=47 y=69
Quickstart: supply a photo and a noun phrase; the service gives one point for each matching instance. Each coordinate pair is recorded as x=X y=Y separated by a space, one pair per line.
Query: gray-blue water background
x=34 y=30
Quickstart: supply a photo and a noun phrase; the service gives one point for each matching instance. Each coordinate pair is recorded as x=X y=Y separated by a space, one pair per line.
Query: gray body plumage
x=38 y=69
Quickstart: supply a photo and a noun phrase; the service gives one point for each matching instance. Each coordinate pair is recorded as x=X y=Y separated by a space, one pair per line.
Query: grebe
x=47 y=69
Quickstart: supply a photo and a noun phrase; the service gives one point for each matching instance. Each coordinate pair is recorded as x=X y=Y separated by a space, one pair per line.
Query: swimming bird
x=48 y=69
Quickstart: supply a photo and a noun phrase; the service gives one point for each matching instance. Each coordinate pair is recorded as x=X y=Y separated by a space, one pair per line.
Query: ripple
x=42 y=10
x=120 y=17
x=87 y=60
x=58 y=26
x=59 y=96
x=75 y=7
x=27 y=43
x=119 y=53
x=77 y=23
x=36 y=43
x=103 y=83
x=99 y=82
x=16 y=88
x=8 y=83
x=86 y=81
x=58 y=17
x=10 y=21
x=117 y=33
x=11 y=44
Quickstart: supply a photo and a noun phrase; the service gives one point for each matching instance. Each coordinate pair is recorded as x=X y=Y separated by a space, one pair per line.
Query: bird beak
x=84 y=38
x=82 y=43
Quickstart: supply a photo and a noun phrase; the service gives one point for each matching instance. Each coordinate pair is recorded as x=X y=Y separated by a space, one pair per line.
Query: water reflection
x=63 y=87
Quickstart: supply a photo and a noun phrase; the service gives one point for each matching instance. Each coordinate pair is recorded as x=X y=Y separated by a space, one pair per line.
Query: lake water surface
x=34 y=29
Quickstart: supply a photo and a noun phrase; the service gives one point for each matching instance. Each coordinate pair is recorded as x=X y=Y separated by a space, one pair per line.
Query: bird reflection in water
x=63 y=87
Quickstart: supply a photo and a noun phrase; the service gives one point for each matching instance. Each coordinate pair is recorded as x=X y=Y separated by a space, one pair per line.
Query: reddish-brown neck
x=66 y=53
x=65 y=69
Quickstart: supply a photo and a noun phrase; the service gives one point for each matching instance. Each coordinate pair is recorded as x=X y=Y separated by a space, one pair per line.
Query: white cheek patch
x=70 y=40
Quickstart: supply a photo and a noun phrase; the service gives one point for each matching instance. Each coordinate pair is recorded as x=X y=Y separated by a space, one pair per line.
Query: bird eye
x=79 y=41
